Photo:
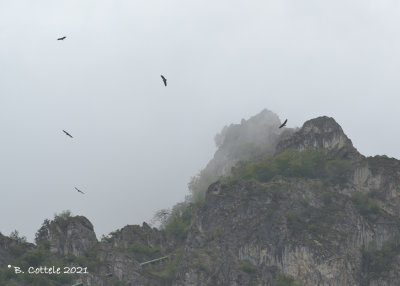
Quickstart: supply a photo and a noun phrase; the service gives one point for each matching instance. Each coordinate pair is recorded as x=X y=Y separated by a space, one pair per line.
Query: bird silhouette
x=164 y=80
x=62 y=38
x=79 y=190
x=283 y=124
x=66 y=133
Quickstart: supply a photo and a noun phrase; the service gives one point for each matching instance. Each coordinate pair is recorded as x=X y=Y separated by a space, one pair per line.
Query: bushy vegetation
x=248 y=267
x=41 y=256
x=310 y=163
x=16 y=237
x=34 y=258
x=166 y=271
x=43 y=233
x=62 y=219
x=286 y=280
x=317 y=222
x=142 y=252
x=19 y=246
x=179 y=220
x=25 y=257
x=89 y=259
x=213 y=233
x=376 y=262
x=367 y=206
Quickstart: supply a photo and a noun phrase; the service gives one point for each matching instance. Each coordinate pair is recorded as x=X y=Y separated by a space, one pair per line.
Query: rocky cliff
x=311 y=212
x=71 y=236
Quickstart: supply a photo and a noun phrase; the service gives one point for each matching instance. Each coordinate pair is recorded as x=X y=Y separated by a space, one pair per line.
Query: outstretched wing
x=79 y=190
x=66 y=133
x=164 y=80
x=283 y=124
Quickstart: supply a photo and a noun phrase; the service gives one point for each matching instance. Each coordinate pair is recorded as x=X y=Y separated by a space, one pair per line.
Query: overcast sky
x=137 y=143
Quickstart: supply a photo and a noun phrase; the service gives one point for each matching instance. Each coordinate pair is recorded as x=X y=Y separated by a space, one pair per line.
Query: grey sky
x=138 y=143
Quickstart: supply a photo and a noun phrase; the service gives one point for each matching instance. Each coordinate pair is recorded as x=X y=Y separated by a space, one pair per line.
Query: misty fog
x=137 y=144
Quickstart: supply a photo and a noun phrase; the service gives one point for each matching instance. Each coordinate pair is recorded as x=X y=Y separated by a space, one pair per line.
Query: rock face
x=9 y=247
x=320 y=232
x=289 y=225
x=321 y=132
x=334 y=226
x=73 y=236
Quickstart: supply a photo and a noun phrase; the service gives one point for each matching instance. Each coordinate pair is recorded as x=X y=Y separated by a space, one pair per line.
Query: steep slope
x=245 y=141
x=308 y=209
x=317 y=210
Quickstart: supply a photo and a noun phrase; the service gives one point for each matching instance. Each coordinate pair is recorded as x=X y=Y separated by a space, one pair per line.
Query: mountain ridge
x=308 y=209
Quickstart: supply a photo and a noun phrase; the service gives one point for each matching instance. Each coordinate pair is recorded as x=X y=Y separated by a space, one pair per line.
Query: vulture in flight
x=164 y=80
x=283 y=124
x=66 y=133
x=79 y=190
x=61 y=39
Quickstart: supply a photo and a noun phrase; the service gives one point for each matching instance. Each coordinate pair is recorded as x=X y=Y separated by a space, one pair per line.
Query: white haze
x=137 y=143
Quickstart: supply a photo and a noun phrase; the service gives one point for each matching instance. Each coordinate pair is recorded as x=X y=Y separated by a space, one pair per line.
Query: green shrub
x=179 y=221
x=142 y=252
x=316 y=222
x=213 y=233
x=310 y=163
x=167 y=271
x=367 y=206
x=17 y=238
x=62 y=219
x=33 y=258
x=286 y=280
x=43 y=232
x=89 y=259
x=248 y=267
x=376 y=262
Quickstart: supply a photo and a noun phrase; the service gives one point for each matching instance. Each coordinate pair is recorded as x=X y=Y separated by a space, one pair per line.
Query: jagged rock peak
x=71 y=235
x=255 y=129
x=320 y=132
x=143 y=235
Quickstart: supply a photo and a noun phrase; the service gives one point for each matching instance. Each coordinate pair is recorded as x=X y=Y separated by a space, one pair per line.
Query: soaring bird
x=66 y=133
x=283 y=124
x=61 y=39
x=79 y=190
x=164 y=80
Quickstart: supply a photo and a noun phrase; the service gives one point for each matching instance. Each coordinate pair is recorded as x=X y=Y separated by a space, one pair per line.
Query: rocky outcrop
x=321 y=132
x=143 y=235
x=318 y=231
x=323 y=230
x=10 y=248
x=71 y=236
x=289 y=225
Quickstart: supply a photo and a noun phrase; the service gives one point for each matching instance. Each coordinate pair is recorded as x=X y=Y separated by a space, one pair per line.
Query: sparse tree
x=14 y=235
x=43 y=232
x=160 y=218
